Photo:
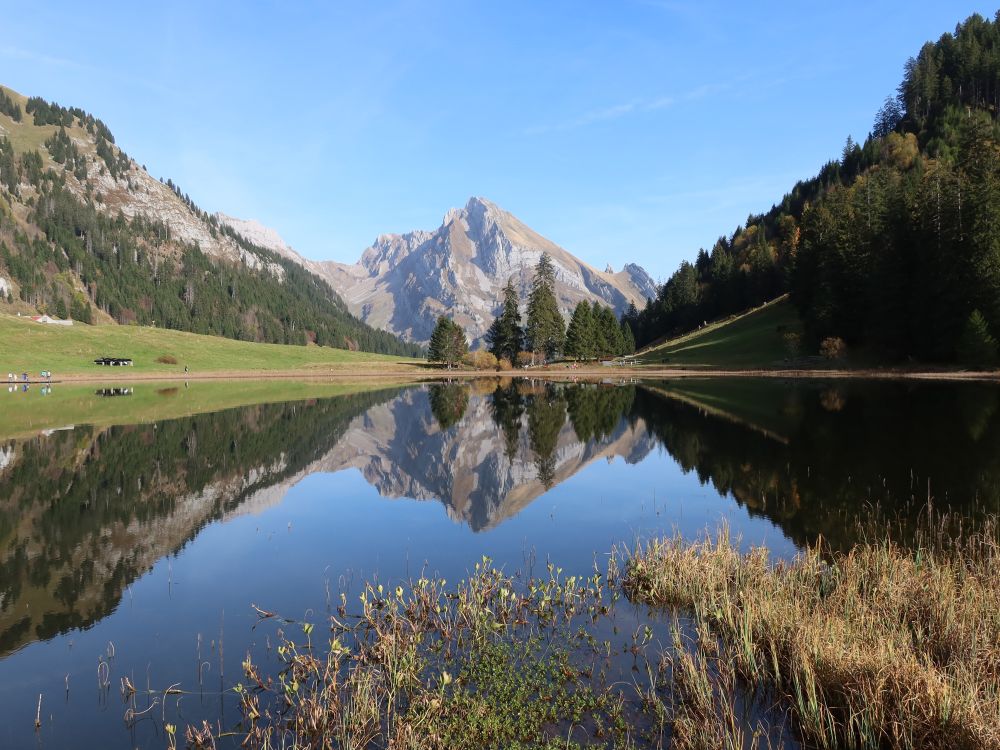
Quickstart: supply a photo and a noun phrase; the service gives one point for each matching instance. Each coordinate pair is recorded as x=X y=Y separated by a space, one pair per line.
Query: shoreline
x=417 y=374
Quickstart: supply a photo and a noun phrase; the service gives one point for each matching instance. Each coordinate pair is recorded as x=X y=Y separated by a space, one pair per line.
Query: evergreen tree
x=505 y=337
x=580 y=334
x=976 y=346
x=888 y=117
x=448 y=343
x=608 y=337
x=546 y=329
x=628 y=338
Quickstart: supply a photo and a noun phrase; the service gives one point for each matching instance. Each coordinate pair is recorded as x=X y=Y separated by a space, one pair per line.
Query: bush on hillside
x=480 y=360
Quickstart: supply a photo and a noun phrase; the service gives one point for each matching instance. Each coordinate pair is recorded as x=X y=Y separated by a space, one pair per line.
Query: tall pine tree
x=546 y=329
x=580 y=334
x=628 y=338
x=505 y=337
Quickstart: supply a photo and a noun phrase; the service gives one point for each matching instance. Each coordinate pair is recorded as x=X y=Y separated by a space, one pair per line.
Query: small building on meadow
x=51 y=321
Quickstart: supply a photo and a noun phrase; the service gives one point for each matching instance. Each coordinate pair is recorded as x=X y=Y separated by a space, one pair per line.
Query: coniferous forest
x=895 y=246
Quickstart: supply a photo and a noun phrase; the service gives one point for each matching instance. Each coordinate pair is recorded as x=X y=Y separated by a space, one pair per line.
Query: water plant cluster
x=495 y=661
x=878 y=647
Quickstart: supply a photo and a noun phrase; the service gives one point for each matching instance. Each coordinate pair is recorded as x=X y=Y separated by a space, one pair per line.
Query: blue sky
x=624 y=131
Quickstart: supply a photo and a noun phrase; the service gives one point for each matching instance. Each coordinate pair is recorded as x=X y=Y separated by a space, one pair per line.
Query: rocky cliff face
x=403 y=282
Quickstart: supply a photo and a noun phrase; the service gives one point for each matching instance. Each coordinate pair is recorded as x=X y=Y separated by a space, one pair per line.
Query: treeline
x=594 y=331
x=50 y=113
x=133 y=270
x=894 y=247
x=9 y=107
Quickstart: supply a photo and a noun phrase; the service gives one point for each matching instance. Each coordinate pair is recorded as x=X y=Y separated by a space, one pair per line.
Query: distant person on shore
x=10 y=377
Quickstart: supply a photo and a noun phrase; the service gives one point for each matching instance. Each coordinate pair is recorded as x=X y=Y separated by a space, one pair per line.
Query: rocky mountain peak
x=404 y=282
x=476 y=212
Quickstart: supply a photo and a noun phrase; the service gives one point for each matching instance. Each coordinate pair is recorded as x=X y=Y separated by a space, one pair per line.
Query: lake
x=138 y=524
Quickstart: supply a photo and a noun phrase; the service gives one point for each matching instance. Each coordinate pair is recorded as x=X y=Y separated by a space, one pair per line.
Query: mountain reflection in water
x=84 y=512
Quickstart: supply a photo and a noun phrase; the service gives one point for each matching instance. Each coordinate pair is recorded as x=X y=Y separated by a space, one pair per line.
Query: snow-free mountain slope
x=403 y=282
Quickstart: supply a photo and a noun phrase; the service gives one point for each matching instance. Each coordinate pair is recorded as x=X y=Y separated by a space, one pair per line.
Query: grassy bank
x=751 y=340
x=880 y=647
x=28 y=413
x=26 y=346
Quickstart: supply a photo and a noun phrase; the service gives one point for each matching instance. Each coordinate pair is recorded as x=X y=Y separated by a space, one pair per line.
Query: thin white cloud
x=17 y=53
x=635 y=106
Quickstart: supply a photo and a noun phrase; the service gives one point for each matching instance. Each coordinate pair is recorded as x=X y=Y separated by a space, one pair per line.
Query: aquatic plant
x=495 y=661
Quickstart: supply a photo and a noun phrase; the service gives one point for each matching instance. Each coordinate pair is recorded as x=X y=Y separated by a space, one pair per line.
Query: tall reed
x=879 y=647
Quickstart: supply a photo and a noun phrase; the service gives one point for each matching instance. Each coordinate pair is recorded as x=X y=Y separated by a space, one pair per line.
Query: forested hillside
x=894 y=247
x=86 y=232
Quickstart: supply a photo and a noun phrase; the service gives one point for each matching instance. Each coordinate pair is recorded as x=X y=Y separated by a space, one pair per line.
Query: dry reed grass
x=879 y=647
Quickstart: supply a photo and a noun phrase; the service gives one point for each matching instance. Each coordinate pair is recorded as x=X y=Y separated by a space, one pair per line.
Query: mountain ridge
x=122 y=246
x=88 y=233
x=402 y=282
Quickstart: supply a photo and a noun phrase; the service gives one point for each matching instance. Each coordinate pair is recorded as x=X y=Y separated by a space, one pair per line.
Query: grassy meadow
x=26 y=346
x=750 y=340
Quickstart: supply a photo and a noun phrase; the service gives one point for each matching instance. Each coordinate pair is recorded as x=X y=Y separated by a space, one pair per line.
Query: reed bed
x=878 y=647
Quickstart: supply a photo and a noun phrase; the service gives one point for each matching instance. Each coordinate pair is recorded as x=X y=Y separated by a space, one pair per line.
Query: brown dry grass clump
x=879 y=647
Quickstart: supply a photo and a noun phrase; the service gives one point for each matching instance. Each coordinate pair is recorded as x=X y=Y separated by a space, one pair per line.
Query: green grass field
x=24 y=413
x=26 y=346
x=751 y=340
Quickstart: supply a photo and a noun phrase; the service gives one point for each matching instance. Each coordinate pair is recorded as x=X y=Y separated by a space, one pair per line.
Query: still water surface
x=136 y=550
